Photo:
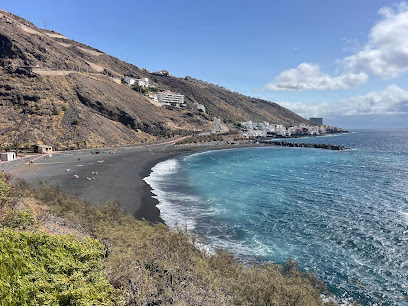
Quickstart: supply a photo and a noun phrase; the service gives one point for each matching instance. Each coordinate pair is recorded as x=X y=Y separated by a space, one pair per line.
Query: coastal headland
x=114 y=174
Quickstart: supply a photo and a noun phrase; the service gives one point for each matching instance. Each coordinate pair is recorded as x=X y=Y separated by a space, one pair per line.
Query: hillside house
x=8 y=156
x=201 y=108
x=129 y=81
x=152 y=96
x=171 y=98
x=143 y=82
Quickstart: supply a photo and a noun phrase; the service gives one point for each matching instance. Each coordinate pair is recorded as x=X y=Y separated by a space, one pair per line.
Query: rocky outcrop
x=307 y=145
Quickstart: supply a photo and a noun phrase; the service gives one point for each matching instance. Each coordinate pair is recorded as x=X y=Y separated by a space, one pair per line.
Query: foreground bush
x=41 y=269
x=153 y=265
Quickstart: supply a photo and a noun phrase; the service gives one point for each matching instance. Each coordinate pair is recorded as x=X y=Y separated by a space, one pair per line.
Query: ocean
x=342 y=215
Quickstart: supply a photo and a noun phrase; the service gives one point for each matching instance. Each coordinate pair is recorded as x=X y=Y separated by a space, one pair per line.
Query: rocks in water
x=308 y=145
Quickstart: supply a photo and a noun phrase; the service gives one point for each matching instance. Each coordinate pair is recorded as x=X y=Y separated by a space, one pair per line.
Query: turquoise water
x=342 y=215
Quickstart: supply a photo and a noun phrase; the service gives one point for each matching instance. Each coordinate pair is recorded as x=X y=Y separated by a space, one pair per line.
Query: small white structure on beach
x=43 y=149
x=8 y=156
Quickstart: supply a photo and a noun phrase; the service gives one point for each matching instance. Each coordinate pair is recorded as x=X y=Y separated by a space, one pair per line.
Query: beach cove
x=330 y=210
x=120 y=173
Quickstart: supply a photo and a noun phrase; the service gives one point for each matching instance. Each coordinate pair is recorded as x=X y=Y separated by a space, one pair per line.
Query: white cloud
x=308 y=76
x=392 y=100
x=386 y=53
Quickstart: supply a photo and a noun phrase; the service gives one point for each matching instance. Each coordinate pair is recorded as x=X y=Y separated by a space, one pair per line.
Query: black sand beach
x=120 y=174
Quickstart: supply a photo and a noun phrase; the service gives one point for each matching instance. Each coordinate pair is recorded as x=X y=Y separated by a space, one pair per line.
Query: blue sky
x=346 y=61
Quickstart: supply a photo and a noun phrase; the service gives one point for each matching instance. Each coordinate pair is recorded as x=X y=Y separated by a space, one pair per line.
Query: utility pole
x=45 y=23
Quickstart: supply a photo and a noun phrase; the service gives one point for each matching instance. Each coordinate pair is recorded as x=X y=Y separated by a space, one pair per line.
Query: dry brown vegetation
x=152 y=265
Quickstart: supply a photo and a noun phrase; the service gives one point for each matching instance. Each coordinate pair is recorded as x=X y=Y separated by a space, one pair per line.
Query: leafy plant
x=4 y=189
x=21 y=219
x=41 y=269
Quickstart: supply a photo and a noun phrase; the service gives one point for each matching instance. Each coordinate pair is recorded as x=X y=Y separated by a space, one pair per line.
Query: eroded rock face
x=8 y=50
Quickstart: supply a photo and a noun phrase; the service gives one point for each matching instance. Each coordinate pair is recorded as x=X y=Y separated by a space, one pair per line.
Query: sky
x=345 y=61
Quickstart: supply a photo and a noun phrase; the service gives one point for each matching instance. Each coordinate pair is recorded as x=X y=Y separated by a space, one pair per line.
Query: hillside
x=57 y=91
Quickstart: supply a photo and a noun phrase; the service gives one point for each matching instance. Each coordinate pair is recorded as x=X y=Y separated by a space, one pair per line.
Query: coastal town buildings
x=171 y=98
x=266 y=129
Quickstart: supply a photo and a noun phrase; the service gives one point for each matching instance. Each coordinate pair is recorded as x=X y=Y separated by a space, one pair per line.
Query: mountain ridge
x=61 y=92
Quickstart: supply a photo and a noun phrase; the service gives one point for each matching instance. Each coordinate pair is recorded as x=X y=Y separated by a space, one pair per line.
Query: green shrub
x=139 y=89
x=22 y=219
x=41 y=269
x=4 y=189
x=75 y=121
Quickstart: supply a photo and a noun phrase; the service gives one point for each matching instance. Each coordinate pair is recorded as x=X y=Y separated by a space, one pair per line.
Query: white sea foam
x=162 y=169
x=168 y=212
x=404 y=215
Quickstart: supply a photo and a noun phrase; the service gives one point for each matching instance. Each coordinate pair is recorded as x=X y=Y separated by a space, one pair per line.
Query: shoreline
x=149 y=210
x=121 y=173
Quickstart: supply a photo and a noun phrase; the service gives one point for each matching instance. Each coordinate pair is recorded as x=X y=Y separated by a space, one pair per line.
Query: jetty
x=305 y=145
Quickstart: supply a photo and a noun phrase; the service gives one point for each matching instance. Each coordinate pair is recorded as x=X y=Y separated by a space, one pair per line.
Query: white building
x=129 y=81
x=43 y=149
x=152 y=96
x=143 y=82
x=8 y=156
x=217 y=125
x=201 y=108
x=170 y=98
x=254 y=133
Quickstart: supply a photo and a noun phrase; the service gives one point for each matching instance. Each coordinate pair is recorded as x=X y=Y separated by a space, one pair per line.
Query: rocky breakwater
x=308 y=145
